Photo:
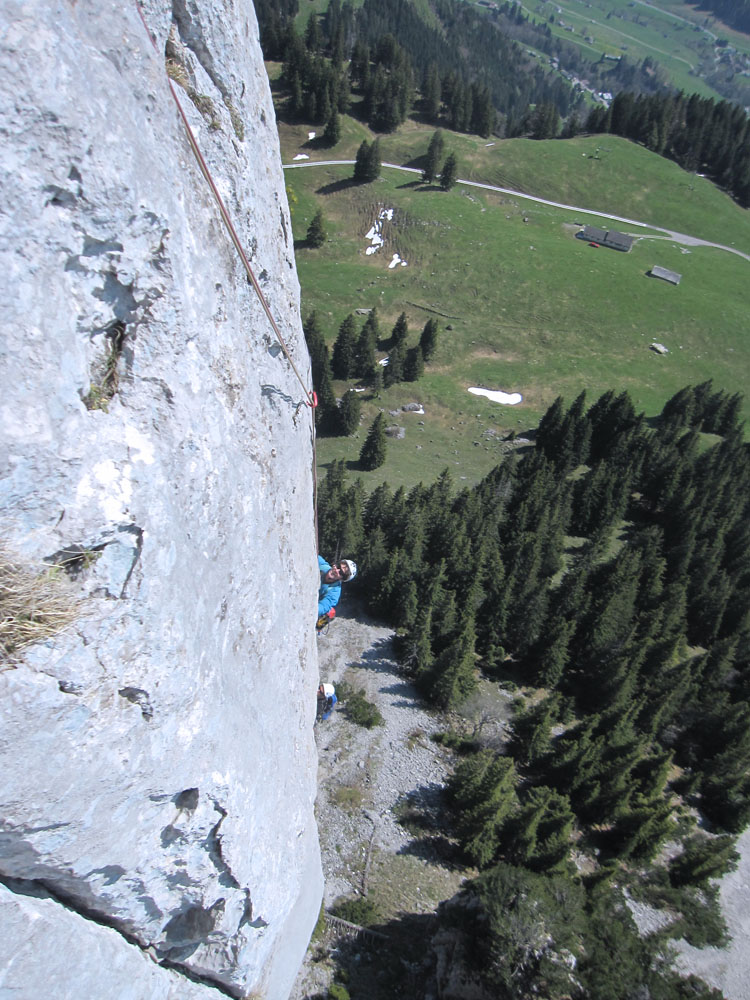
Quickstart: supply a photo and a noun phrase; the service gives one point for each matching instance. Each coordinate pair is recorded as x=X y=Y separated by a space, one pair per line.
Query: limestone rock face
x=157 y=763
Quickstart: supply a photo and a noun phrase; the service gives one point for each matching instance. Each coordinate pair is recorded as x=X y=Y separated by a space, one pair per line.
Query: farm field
x=677 y=36
x=531 y=308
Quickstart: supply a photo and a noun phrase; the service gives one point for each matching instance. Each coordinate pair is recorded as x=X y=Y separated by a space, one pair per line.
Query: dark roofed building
x=592 y=234
x=606 y=238
x=667 y=275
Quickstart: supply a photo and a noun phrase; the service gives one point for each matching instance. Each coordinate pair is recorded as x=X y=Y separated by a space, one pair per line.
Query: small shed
x=662 y=272
x=606 y=238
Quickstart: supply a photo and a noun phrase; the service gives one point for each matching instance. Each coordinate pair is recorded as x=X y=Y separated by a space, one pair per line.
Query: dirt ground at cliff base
x=365 y=779
x=368 y=780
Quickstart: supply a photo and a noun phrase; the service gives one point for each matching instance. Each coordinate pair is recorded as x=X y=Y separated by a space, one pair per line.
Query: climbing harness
x=321 y=626
x=311 y=398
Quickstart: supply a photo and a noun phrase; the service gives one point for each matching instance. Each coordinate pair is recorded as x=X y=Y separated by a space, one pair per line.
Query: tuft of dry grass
x=35 y=604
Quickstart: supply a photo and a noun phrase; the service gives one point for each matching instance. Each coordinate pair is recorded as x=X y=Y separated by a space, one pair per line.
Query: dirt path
x=683 y=238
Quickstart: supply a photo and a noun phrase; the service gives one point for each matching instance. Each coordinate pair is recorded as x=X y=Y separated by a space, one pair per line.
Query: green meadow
x=524 y=306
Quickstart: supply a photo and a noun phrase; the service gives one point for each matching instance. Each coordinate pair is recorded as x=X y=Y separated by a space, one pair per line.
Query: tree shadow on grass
x=335 y=186
x=409 y=184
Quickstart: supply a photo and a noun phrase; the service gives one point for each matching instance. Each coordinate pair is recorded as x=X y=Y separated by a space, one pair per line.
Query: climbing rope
x=311 y=398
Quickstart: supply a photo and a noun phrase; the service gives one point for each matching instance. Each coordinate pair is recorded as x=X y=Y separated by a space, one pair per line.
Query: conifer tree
x=482 y=792
x=332 y=133
x=449 y=173
x=326 y=412
x=343 y=362
x=394 y=370
x=428 y=339
x=432 y=160
x=364 y=354
x=417 y=646
x=373 y=161
x=372 y=455
x=316 y=232
x=400 y=331
x=349 y=412
x=541 y=832
x=413 y=364
x=453 y=675
x=361 y=164
x=704 y=858
x=531 y=739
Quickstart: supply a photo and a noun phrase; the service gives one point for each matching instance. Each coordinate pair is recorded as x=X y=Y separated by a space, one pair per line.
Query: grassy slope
x=555 y=319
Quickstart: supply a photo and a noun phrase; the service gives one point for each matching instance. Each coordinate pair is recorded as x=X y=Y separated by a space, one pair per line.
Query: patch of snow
x=488 y=144
x=394 y=262
x=383 y=361
x=301 y=156
x=496 y=396
x=311 y=135
x=375 y=233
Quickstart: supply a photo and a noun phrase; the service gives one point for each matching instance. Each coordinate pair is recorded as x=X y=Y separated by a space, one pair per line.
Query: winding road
x=670 y=234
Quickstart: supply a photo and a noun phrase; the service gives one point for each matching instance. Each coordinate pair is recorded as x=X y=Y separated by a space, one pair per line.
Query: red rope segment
x=311 y=396
x=229 y=224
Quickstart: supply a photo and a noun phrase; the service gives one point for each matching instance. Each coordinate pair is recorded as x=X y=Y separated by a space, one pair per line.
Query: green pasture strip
x=602 y=173
x=533 y=310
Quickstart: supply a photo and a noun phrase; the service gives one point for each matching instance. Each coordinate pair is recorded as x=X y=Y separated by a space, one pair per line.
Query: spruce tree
x=400 y=331
x=428 y=339
x=703 y=858
x=373 y=161
x=343 y=362
x=361 y=163
x=432 y=159
x=413 y=364
x=541 y=833
x=449 y=173
x=453 y=675
x=332 y=133
x=482 y=793
x=349 y=411
x=394 y=370
x=372 y=455
x=316 y=232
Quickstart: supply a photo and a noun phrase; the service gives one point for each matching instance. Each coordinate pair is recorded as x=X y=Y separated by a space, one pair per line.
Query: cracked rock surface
x=157 y=756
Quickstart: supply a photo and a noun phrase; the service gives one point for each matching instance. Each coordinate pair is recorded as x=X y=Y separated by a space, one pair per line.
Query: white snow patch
x=311 y=135
x=375 y=233
x=383 y=361
x=301 y=156
x=496 y=396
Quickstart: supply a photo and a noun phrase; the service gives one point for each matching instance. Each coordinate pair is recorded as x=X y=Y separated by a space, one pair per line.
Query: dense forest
x=735 y=13
x=696 y=132
x=606 y=574
x=474 y=57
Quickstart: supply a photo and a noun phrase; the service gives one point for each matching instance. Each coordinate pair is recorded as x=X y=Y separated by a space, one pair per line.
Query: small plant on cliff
x=237 y=124
x=107 y=378
x=35 y=604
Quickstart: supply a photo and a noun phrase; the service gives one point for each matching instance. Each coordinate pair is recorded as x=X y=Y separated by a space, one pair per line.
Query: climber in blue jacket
x=331 y=578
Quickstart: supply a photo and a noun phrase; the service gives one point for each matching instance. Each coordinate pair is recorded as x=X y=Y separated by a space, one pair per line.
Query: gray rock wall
x=157 y=765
